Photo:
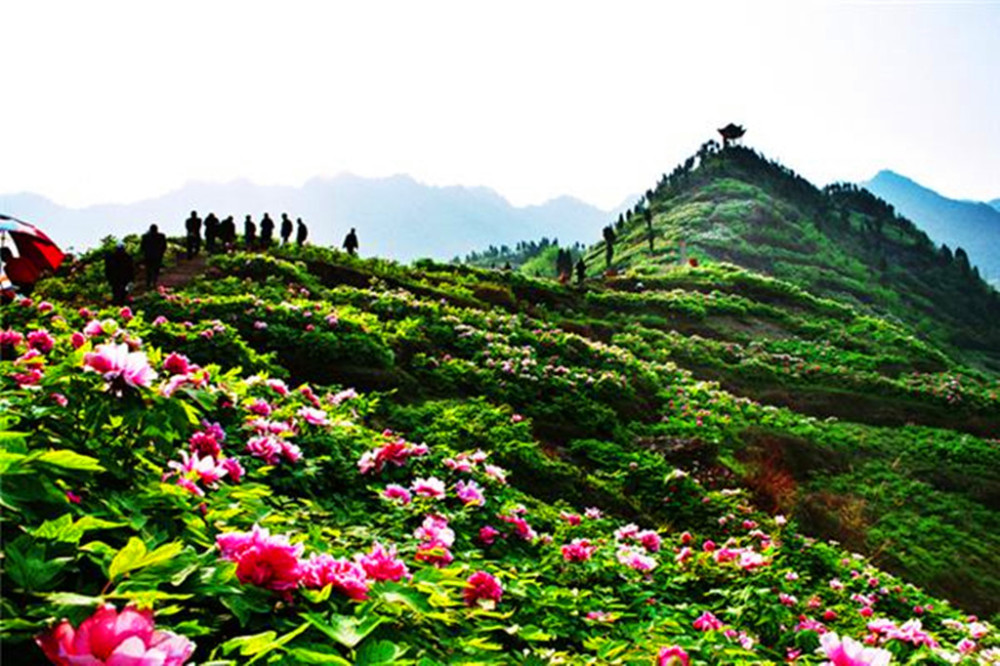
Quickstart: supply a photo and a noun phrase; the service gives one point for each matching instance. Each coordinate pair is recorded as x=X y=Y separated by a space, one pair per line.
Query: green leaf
x=69 y=460
x=379 y=652
x=346 y=630
x=249 y=644
x=304 y=656
x=71 y=599
x=128 y=558
x=64 y=529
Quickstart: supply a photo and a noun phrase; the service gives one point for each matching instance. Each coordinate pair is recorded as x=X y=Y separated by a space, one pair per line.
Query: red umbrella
x=31 y=243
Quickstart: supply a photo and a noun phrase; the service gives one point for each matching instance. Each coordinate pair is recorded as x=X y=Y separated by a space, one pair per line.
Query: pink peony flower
x=278 y=386
x=848 y=652
x=260 y=408
x=382 y=564
x=177 y=364
x=396 y=492
x=261 y=559
x=342 y=396
x=570 y=518
x=126 y=313
x=45 y=306
x=233 y=469
x=650 y=540
x=266 y=448
x=635 y=559
x=673 y=656
x=488 y=534
x=342 y=574
x=432 y=487
x=592 y=513
x=435 y=528
x=41 y=340
x=578 y=550
x=73 y=497
x=521 y=526
x=78 y=339
x=111 y=638
x=482 y=589
x=496 y=473
x=470 y=493
x=397 y=451
x=118 y=365
x=316 y=417
x=707 y=622
x=59 y=399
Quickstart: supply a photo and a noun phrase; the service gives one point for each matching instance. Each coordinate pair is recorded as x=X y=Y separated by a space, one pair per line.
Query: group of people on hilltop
x=119 y=267
x=222 y=234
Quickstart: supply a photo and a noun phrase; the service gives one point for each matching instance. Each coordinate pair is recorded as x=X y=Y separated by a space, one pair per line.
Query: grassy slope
x=610 y=364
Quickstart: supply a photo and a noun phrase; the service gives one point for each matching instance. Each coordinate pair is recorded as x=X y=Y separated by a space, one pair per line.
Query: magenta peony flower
x=673 y=656
x=707 y=622
x=41 y=340
x=278 y=386
x=848 y=652
x=483 y=589
x=177 y=364
x=110 y=638
x=261 y=559
x=266 y=448
x=342 y=396
x=382 y=564
x=260 y=408
x=397 y=451
x=570 y=518
x=343 y=575
x=396 y=492
x=126 y=313
x=118 y=365
x=78 y=339
x=469 y=493
x=488 y=534
x=650 y=540
x=496 y=473
x=578 y=550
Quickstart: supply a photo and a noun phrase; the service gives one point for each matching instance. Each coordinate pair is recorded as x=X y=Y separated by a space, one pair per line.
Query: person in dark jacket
x=301 y=233
x=153 y=247
x=211 y=232
x=249 y=233
x=581 y=271
x=193 y=226
x=351 y=243
x=286 y=228
x=119 y=271
x=266 y=231
x=227 y=232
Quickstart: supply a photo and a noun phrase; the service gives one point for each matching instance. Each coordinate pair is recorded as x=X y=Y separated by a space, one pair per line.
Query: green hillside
x=460 y=465
x=841 y=243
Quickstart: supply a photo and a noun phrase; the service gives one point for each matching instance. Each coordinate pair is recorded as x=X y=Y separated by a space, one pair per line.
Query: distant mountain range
x=971 y=225
x=395 y=217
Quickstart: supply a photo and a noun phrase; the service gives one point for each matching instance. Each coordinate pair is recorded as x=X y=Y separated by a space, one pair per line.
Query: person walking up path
x=153 y=247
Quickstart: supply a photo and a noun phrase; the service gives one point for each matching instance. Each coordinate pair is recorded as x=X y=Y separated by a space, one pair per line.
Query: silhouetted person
x=507 y=267
x=249 y=233
x=351 y=243
x=609 y=245
x=227 y=232
x=286 y=228
x=266 y=231
x=581 y=271
x=20 y=271
x=193 y=226
x=211 y=232
x=153 y=247
x=301 y=232
x=119 y=271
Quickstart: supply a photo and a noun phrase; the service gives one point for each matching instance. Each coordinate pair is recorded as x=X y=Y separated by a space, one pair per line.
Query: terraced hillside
x=458 y=465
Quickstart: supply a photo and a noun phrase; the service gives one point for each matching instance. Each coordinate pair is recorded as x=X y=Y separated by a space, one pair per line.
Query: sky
x=113 y=102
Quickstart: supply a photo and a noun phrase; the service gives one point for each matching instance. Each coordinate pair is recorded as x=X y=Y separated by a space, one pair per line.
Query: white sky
x=116 y=101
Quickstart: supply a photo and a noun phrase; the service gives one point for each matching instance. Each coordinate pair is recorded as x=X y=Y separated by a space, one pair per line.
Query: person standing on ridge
x=581 y=271
x=211 y=232
x=266 y=231
x=249 y=233
x=301 y=233
x=286 y=228
x=119 y=271
x=609 y=245
x=351 y=243
x=153 y=247
x=193 y=226
x=227 y=232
